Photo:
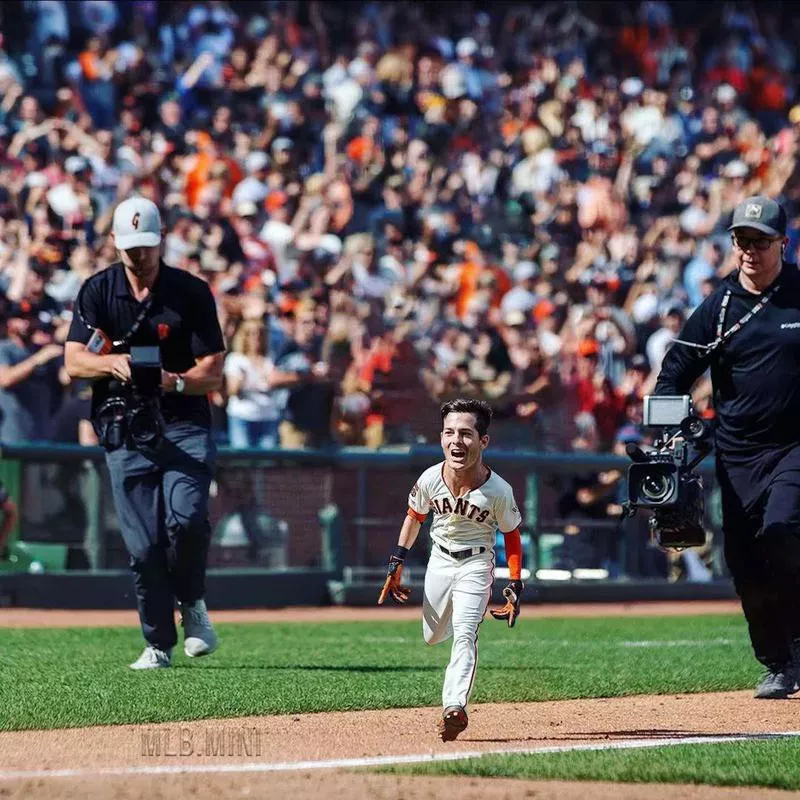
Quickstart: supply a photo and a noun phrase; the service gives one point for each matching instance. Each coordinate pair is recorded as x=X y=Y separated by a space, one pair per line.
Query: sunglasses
x=759 y=242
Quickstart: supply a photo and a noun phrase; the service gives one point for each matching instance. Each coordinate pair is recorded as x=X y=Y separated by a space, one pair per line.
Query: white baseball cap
x=75 y=164
x=466 y=47
x=137 y=223
x=256 y=161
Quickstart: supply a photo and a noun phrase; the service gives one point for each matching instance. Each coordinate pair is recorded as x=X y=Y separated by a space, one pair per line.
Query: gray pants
x=161 y=499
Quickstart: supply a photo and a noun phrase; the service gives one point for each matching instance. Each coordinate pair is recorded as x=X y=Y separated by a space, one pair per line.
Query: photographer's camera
x=132 y=414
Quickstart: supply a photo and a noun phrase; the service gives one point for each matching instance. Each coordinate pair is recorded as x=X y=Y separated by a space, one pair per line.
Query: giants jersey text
x=468 y=521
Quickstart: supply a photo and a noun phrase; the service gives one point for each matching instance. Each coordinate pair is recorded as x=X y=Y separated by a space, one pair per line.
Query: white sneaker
x=199 y=636
x=153 y=658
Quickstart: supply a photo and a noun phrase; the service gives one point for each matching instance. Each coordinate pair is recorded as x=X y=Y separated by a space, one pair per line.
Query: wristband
x=400 y=552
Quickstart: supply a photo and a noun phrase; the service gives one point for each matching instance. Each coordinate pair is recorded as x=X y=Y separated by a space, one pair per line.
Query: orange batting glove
x=392 y=585
x=510 y=611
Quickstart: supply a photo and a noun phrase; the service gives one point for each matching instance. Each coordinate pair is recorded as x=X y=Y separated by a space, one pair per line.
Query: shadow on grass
x=365 y=668
x=307 y=668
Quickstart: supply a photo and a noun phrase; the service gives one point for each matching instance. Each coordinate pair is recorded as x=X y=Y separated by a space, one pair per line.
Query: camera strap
x=144 y=307
x=722 y=337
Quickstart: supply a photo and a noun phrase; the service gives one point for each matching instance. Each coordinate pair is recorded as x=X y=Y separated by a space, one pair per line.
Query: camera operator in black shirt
x=748 y=332
x=148 y=337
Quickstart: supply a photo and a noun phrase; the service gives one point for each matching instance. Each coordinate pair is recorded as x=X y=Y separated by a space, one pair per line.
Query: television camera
x=661 y=479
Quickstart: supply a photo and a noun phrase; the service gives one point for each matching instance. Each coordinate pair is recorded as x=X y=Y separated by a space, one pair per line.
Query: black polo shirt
x=181 y=321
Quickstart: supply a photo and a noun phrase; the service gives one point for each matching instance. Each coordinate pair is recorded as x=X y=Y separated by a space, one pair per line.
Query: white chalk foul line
x=378 y=761
x=677 y=643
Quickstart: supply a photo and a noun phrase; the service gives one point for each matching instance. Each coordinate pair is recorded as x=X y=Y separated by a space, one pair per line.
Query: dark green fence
x=282 y=509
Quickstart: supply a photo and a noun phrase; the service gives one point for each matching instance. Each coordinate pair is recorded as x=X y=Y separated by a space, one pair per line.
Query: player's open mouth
x=458 y=453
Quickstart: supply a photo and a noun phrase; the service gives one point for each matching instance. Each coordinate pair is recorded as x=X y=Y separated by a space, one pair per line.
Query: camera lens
x=142 y=427
x=656 y=487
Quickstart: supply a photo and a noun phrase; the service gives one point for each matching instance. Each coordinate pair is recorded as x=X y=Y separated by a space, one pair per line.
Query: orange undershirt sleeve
x=514 y=554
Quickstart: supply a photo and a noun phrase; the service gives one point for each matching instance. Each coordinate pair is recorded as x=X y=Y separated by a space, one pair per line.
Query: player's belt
x=462 y=554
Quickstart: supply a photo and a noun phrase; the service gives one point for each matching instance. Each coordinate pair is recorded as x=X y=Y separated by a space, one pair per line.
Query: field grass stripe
x=378 y=761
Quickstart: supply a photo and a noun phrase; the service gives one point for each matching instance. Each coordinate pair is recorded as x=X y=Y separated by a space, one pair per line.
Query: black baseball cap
x=760 y=213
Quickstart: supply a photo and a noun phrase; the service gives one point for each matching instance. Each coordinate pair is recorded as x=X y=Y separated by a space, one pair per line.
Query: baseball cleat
x=777 y=685
x=200 y=639
x=153 y=658
x=454 y=720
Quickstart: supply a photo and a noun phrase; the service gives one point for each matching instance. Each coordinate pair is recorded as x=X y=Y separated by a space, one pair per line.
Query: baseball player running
x=470 y=503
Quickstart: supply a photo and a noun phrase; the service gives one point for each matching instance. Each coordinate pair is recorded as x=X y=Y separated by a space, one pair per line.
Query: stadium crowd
x=394 y=203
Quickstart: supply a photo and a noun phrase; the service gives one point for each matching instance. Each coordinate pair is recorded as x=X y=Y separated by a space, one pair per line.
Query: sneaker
x=777 y=685
x=153 y=658
x=454 y=720
x=199 y=636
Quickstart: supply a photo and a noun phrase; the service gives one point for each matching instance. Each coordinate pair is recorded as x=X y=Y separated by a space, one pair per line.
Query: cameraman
x=752 y=324
x=160 y=480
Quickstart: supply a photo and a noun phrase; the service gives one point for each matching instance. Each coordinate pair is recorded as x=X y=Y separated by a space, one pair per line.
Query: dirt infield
x=48 y=618
x=213 y=757
x=314 y=754
x=344 y=786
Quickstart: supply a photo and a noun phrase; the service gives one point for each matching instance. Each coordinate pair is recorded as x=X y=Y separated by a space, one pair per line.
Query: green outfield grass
x=70 y=677
x=772 y=763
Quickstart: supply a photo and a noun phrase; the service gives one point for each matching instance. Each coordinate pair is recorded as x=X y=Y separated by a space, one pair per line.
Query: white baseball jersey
x=468 y=521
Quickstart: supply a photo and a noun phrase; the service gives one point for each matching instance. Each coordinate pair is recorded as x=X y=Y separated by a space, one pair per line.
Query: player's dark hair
x=482 y=412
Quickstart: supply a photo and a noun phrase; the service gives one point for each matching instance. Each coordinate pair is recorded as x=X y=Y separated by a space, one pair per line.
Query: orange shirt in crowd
x=379 y=359
x=197 y=179
x=468 y=280
x=200 y=173
x=90 y=65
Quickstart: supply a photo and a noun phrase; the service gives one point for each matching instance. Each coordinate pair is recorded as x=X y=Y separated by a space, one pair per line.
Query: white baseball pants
x=457 y=594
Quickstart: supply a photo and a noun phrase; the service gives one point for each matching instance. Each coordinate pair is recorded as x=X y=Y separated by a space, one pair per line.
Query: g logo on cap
x=136 y=223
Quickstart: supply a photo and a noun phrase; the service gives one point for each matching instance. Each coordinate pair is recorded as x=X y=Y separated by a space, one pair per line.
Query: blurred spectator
x=700 y=269
x=305 y=392
x=671 y=323
x=72 y=423
x=28 y=376
x=253 y=413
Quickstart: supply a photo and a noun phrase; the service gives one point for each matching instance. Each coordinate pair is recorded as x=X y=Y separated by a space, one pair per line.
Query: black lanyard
x=724 y=336
x=144 y=307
